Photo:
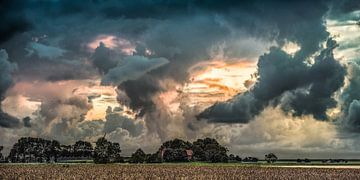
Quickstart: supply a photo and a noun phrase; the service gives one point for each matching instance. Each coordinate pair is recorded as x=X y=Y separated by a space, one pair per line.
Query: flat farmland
x=171 y=171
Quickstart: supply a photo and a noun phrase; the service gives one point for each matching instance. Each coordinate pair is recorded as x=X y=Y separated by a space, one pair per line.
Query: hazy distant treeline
x=29 y=149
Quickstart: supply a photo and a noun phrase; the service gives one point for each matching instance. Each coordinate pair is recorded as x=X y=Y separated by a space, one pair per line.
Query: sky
x=258 y=76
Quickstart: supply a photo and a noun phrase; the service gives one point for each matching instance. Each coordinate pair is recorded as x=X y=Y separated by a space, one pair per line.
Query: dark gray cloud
x=169 y=38
x=132 y=68
x=104 y=58
x=115 y=120
x=351 y=92
x=8 y=121
x=298 y=87
x=351 y=121
x=183 y=32
x=326 y=76
x=44 y=51
x=26 y=121
x=49 y=41
x=140 y=94
x=187 y=39
x=350 y=99
x=343 y=7
x=6 y=69
x=13 y=19
x=67 y=110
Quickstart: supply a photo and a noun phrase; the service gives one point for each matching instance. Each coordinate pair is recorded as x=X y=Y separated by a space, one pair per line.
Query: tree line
x=29 y=149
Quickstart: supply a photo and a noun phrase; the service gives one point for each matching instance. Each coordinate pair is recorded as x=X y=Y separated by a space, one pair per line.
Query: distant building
x=189 y=153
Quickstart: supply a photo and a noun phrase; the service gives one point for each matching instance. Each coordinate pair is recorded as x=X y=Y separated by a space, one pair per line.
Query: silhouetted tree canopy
x=209 y=150
x=138 y=156
x=107 y=152
x=82 y=149
x=153 y=158
x=250 y=159
x=271 y=158
x=232 y=157
x=176 y=144
x=29 y=149
x=175 y=155
x=175 y=150
x=1 y=156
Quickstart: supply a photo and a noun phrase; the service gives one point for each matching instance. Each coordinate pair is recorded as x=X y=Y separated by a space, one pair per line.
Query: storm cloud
x=6 y=69
x=132 y=68
x=13 y=19
x=291 y=82
x=115 y=120
x=68 y=60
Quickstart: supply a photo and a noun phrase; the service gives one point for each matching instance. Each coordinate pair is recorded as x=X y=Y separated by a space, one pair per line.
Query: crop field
x=170 y=171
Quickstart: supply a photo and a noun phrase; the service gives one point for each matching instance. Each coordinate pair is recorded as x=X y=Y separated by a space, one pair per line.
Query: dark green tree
x=1 y=156
x=238 y=158
x=250 y=159
x=176 y=144
x=153 y=158
x=175 y=155
x=66 y=151
x=233 y=157
x=52 y=151
x=175 y=150
x=82 y=149
x=209 y=150
x=138 y=156
x=115 y=153
x=107 y=152
x=29 y=149
x=271 y=158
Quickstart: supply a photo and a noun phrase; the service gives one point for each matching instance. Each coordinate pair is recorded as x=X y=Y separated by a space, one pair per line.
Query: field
x=170 y=171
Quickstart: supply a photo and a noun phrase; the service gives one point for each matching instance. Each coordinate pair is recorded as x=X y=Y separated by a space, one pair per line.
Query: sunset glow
x=219 y=80
x=113 y=42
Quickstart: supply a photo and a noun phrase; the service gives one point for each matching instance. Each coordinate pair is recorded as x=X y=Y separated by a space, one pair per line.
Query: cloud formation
x=6 y=69
x=132 y=68
x=299 y=87
x=149 y=52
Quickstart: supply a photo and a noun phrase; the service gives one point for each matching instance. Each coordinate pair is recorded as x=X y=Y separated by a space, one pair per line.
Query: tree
x=238 y=158
x=52 y=151
x=138 y=156
x=176 y=144
x=250 y=159
x=232 y=157
x=209 y=150
x=175 y=155
x=175 y=151
x=1 y=156
x=115 y=155
x=29 y=149
x=271 y=158
x=66 y=151
x=107 y=152
x=153 y=158
x=82 y=149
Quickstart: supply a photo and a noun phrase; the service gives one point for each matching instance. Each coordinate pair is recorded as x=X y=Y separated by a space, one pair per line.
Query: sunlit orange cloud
x=19 y=106
x=39 y=89
x=113 y=42
x=33 y=92
x=101 y=98
x=219 y=80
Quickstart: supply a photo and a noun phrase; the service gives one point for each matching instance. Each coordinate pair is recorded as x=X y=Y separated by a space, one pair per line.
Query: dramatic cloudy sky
x=259 y=76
